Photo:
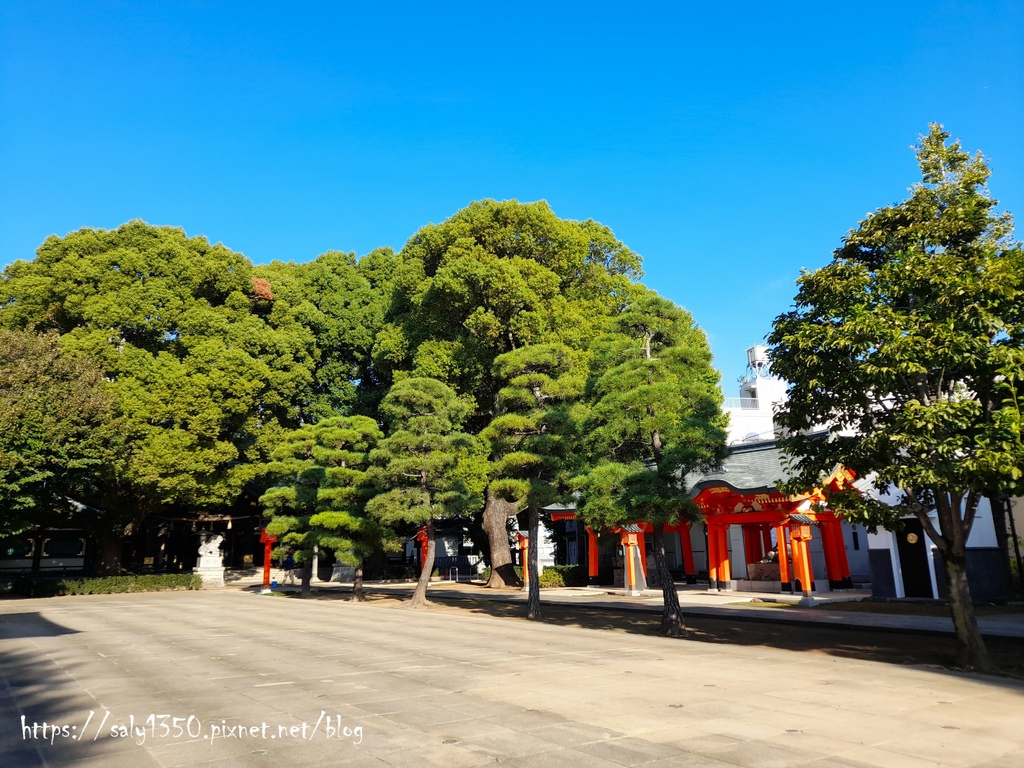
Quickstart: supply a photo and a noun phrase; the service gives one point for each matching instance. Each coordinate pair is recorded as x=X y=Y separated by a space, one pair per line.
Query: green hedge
x=564 y=576
x=106 y=585
x=485 y=574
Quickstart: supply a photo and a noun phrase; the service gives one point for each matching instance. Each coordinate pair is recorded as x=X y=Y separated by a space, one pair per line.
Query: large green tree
x=205 y=371
x=59 y=430
x=908 y=349
x=495 y=277
x=427 y=469
x=655 y=417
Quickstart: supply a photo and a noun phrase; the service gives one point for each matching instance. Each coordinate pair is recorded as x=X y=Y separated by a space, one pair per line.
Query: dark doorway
x=913 y=550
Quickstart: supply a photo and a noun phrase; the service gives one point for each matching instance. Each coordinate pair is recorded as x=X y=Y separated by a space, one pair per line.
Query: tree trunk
x=1000 y=506
x=533 y=600
x=672 y=623
x=497 y=511
x=419 y=596
x=971 y=653
x=109 y=545
x=307 y=576
x=358 y=593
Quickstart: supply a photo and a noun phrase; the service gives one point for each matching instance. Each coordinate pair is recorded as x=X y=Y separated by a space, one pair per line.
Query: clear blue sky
x=728 y=144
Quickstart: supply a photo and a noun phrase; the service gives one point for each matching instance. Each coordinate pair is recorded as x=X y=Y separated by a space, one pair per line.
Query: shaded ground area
x=864 y=644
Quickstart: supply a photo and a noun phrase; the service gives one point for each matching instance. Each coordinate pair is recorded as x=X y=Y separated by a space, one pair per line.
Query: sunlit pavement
x=267 y=681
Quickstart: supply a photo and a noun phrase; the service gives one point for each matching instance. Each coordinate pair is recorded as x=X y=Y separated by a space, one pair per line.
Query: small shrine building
x=753 y=537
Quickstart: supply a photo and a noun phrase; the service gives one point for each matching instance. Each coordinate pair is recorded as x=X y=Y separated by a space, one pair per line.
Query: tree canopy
x=59 y=430
x=341 y=301
x=493 y=278
x=907 y=349
x=216 y=370
x=204 y=373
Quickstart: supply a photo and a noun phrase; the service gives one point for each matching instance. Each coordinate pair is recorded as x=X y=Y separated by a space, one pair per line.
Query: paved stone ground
x=431 y=689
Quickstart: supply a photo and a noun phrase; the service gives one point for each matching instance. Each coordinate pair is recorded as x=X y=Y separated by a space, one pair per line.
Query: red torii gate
x=791 y=517
x=757 y=513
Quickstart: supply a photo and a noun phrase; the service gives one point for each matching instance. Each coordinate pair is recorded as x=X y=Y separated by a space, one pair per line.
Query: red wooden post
x=712 y=556
x=799 y=535
x=828 y=544
x=267 y=541
x=844 y=561
x=780 y=538
x=752 y=543
x=839 y=578
x=724 y=565
x=591 y=555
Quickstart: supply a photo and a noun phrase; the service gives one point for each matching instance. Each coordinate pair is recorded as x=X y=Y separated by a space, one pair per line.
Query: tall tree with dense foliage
x=291 y=501
x=341 y=522
x=532 y=436
x=909 y=348
x=495 y=277
x=59 y=430
x=427 y=468
x=206 y=372
x=319 y=495
x=656 y=416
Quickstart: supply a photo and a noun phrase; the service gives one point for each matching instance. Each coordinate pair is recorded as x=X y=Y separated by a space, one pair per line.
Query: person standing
x=289 y=569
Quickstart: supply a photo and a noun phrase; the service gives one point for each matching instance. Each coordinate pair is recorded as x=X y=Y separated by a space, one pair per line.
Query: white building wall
x=752 y=414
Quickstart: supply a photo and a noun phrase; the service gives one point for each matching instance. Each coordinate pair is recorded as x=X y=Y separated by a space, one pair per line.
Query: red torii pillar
x=267 y=541
x=591 y=555
x=687 y=546
x=836 y=562
x=719 y=571
x=784 y=575
x=752 y=541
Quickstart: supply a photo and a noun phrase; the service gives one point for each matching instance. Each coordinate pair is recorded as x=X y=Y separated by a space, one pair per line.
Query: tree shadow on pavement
x=919 y=649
